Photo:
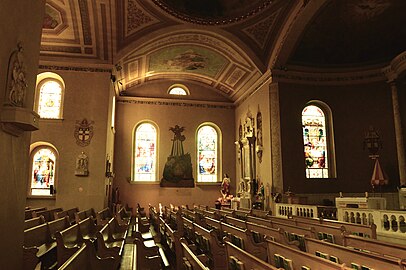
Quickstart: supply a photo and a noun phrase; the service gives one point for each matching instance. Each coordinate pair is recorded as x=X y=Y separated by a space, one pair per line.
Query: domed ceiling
x=228 y=46
x=352 y=33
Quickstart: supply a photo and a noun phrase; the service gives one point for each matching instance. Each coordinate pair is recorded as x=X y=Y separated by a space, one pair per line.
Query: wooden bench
x=103 y=216
x=171 y=239
x=88 y=229
x=351 y=256
x=32 y=222
x=29 y=212
x=58 y=225
x=84 y=214
x=238 y=259
x=216 y=249
x=38 y=247
x=48 y=214
x=191 y=261
x=374 y=246
x=85 y=258
x=108 y=247
x=69 y=241
x=244 y=240
x=123 y=217
x=290 y=258
x=70 y=213
x=147 y=257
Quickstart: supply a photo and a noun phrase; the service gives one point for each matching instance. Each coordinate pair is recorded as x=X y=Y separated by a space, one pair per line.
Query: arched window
x=145 y=152
x=43 y=166
x=318 y=141
x=179 y=90
x=49 y=95
x=208 y=153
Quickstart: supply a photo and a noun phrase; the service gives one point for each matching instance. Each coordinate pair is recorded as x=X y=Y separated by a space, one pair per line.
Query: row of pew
x=209 y=238
x=73 y=239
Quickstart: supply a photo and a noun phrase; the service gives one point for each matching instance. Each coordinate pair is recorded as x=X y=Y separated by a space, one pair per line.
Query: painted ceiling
x=226 y=45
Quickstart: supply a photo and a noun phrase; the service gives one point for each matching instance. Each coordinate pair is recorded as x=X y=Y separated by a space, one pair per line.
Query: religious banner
x=83 y=132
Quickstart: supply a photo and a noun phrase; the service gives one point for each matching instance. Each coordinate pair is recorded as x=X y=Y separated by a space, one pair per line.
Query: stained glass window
x=315 y=142
x=50 y=99
x=43 y=171
x=179 y=90
x=207 y=144
x=145 y=153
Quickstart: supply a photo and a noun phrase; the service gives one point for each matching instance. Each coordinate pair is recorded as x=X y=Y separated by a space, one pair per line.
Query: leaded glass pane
x=207 y=154
x=50 y=97
x=43 y=172
x=178 y=91
x=145 y=153
x=315 y=142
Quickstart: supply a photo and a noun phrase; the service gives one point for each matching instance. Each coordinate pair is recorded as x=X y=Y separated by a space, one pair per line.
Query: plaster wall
x=167 y=115
x=20 y=21
x=87 y=95
x=354 y=108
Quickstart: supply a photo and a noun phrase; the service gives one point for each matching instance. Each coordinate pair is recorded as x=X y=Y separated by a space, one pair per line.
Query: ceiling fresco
x=228 y=45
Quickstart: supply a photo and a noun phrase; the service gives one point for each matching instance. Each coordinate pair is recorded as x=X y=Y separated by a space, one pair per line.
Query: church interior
x=230 y=104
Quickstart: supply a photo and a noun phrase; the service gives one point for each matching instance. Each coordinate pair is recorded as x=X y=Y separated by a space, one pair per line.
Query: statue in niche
x=259 y=147
x=178 y=167
x=82 y=165
x=241 y=188
x=17 y=82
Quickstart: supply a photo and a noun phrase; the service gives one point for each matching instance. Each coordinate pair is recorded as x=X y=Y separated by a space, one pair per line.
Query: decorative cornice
x=174 y=103
x=81 y=69
x=396 y=67
x=266 y=77
x=208 y=21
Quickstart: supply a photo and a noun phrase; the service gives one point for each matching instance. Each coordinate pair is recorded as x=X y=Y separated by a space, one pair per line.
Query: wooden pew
x=85 y=258
x=123 y=217
x=107 y=247
x=358 y=229
x=69 y=241
x=171 y=239
x=70 y=213
x=351 y=256
x=239 y=259
x=103 y=216
x=260 y=213
x=58 y=225
x=216 y=250
x=88 y=229
x=374 y=246
x=243 y=239
x=32 y=222
x=48 y=214
x=29 y=212
x=84 y=214
x=38 y=247
x=191 y=261
x=147 y=257
x=289 y=258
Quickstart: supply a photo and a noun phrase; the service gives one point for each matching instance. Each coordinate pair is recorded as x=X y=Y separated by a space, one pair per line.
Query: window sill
x=51 y=120
x=132 y=182
x=42 y=197
x=208 y=183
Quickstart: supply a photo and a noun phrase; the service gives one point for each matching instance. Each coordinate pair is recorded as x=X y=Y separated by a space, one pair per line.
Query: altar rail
x=388 y=222
x=302 y=210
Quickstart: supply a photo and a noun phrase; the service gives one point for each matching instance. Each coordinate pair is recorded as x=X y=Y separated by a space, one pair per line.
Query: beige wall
x=259 y=101
x=167 y=115
x=86 y=96
x=19 y=21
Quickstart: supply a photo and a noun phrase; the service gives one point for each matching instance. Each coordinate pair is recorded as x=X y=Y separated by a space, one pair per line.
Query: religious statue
x=82 y=163
x=17 y=83
x=225 y=186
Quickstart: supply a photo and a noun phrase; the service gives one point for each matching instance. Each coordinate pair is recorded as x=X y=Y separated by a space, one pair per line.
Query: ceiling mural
x=227 y=45
x=193 y=59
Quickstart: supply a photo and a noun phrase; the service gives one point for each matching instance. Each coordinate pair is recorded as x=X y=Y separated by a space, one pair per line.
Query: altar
x=377 y=203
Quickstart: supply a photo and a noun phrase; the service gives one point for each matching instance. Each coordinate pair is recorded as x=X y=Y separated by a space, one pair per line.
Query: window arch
x=44 y=158
x=208 y=153
x=318 y=143
x=145 y=152
x=178 y=90
x=49 y=95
